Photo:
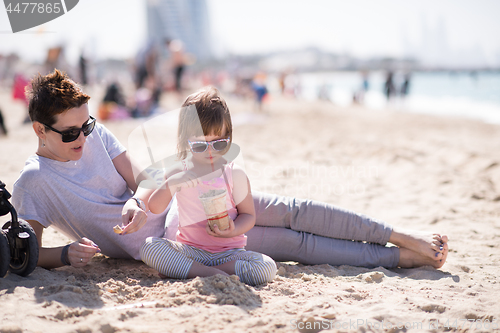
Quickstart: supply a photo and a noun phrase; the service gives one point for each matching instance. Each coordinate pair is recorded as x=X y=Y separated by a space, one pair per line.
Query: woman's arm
x=78 y=255
x=144 y=186
x=133 y=217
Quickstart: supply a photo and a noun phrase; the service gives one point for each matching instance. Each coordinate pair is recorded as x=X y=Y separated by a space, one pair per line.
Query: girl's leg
x=175 y=260
x=318 y=218
x=251 y=267
x=254 y=268
x=166 y=257
x=283 y=244
x=202 y=270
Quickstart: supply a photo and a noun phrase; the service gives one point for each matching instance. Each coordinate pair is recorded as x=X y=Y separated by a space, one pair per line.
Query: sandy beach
x=414 y=171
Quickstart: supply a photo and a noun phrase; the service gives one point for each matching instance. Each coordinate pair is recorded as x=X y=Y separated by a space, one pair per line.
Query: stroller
x=18 y=242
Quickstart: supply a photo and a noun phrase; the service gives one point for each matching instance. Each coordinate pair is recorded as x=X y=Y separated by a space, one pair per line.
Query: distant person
x=113 y=105
x=405 y=87
x=3 y=129
x=114 y=94
x=18 y=87
x=82 y=65
x=55 y=59
x=178 y=60
x=366 y=82
x=281 y=80
x=389 y=88
x=146 y=63
x=259 y=88
x=358 y=96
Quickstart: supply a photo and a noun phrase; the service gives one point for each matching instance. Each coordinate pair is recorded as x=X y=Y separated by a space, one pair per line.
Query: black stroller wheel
x=23 y=260
x=4 y=254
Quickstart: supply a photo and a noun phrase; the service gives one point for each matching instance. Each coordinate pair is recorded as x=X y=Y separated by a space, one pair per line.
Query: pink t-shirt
x=192 y=218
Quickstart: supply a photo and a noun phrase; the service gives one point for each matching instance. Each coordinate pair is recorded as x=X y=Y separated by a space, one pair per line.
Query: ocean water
x=474 y=95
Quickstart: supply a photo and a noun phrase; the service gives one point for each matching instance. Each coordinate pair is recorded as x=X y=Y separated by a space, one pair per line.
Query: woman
x=81 y=181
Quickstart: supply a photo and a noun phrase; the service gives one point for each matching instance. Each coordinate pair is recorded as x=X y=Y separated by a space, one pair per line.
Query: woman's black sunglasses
x=73 y=134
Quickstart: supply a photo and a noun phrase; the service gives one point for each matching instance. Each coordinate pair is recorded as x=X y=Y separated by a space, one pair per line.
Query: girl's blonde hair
x=206 y=108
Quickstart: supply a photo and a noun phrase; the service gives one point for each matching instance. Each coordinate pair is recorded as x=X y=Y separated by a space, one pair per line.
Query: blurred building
x=186 y=20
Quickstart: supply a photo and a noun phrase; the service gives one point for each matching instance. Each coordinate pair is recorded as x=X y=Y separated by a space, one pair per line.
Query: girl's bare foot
x=431 y=246
x=410 y=259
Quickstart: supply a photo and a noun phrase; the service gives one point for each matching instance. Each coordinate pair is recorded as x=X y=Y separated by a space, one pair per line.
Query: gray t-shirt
x=83 y=198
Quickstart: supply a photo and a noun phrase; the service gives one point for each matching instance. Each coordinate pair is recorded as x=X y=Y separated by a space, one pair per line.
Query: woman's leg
x=431 y=246
x=409 y=258
x=322 y=219
x=283 y=244
x=318 y=218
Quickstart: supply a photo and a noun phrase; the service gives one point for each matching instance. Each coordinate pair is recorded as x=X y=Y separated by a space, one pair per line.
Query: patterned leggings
x=174 y=260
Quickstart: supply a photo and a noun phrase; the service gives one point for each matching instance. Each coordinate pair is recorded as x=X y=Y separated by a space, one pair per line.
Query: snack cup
x=215 y=209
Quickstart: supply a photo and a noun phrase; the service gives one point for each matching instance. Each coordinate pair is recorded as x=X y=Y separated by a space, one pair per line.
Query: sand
x=413 y=171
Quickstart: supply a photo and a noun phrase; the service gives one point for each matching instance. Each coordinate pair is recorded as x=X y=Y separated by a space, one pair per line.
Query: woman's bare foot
x=411 y=259
x=431 y=246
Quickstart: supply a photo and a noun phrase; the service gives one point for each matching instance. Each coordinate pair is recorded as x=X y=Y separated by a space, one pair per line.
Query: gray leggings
x=312 y=232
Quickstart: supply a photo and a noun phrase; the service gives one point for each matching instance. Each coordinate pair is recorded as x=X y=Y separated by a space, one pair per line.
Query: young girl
x=204 y=137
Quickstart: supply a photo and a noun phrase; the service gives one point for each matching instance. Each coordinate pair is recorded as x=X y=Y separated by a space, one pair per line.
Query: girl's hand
x=184 y=179
x=228 y=233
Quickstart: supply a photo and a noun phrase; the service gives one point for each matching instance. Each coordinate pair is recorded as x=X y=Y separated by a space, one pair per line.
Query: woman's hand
x=80 y=253
x=228 y=233
x=133 y=217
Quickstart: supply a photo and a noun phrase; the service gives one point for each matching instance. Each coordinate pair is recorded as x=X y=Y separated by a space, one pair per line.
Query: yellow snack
x=117 y=229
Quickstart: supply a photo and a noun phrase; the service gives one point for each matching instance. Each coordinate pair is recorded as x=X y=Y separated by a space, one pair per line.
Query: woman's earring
x=43 y=144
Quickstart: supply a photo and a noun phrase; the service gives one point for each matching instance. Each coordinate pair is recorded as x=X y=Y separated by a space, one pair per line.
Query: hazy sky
x=364 y=28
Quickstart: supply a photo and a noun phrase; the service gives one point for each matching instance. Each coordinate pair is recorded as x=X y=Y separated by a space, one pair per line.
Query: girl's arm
x=242 y=196
x=160 y=198
x=133 y=217
x=176 y=180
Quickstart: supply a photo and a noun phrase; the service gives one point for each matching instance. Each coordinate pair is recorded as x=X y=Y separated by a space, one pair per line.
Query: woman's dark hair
x=51 y=95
